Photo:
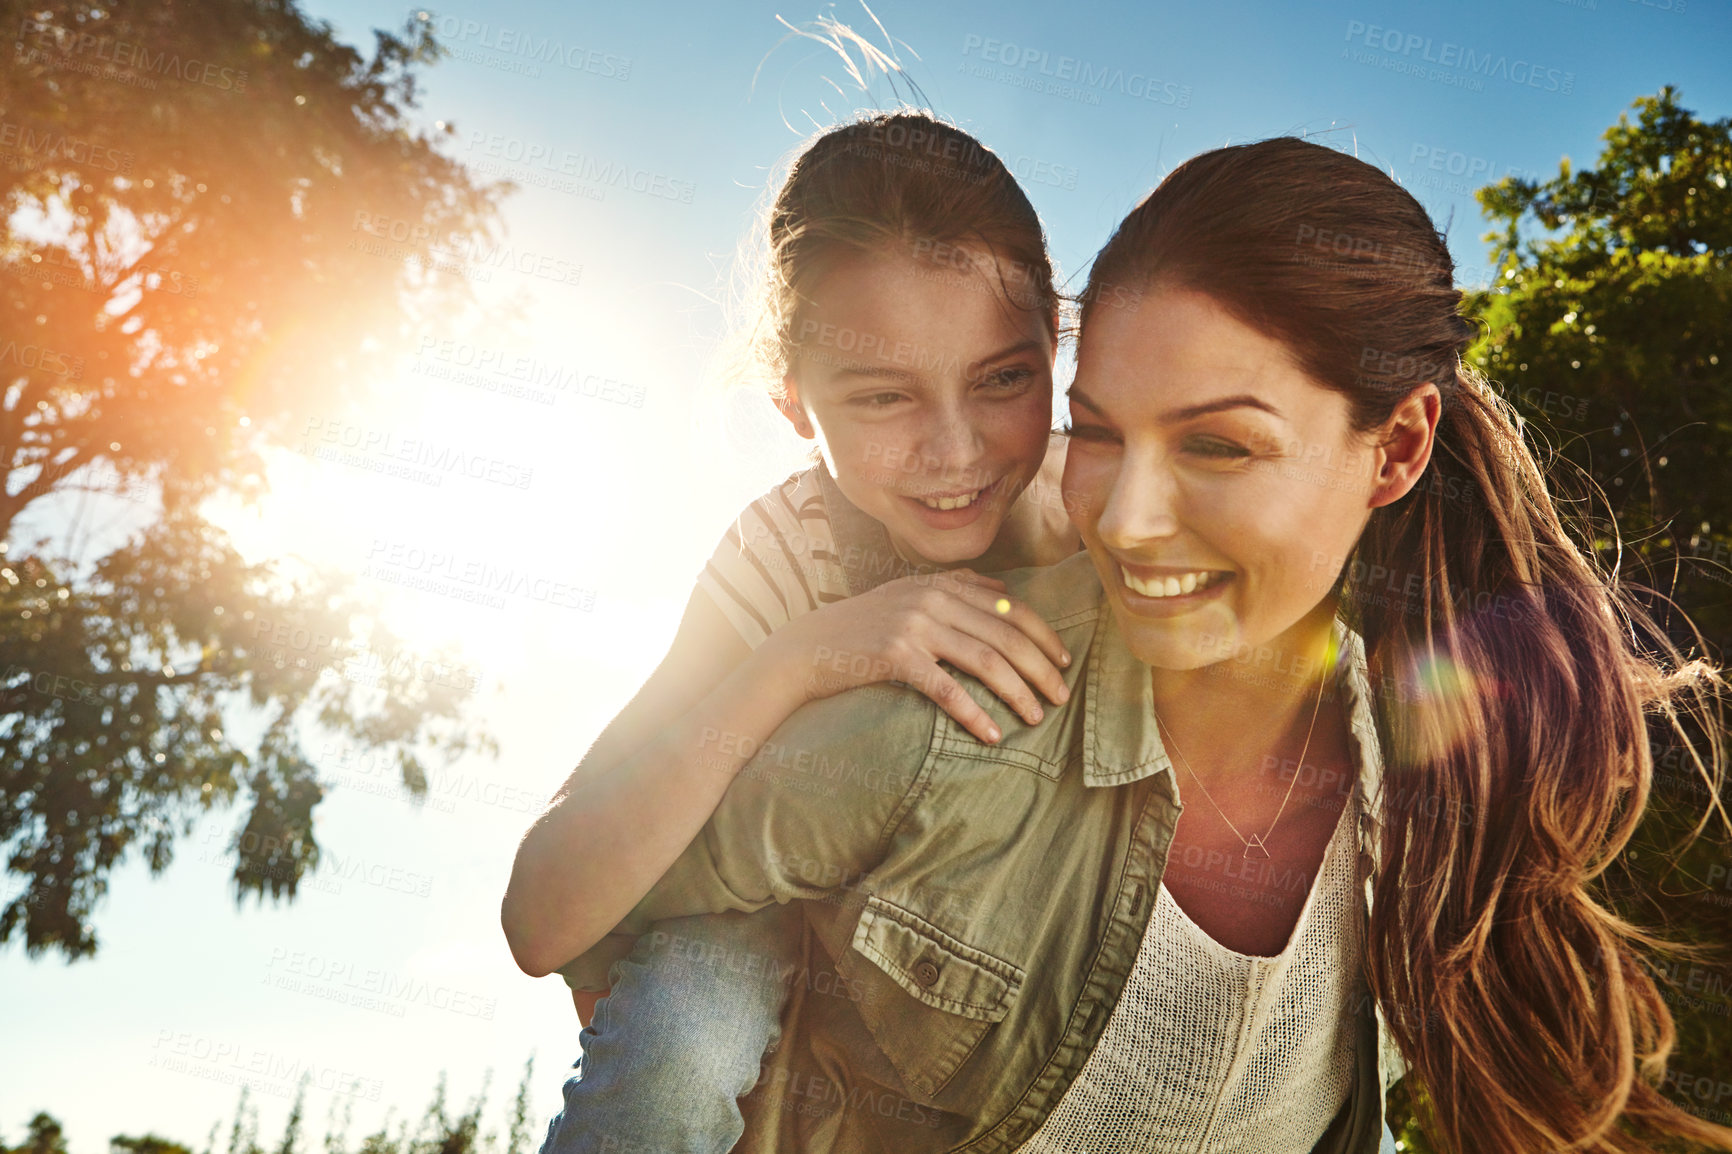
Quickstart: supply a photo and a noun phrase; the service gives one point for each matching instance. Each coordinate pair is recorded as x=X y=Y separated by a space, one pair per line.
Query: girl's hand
x=901 y=630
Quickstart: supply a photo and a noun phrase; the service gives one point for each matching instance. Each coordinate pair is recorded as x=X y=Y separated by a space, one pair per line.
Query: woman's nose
x=1142 y=505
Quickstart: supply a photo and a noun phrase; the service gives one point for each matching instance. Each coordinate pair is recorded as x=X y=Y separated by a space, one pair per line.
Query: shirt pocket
x=954 y=993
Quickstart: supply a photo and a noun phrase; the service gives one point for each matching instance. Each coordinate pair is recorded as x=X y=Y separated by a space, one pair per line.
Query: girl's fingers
x=954 y=700
x=984 y=662
x=1015 y=631
x=1032 y=665
x=1017 y=613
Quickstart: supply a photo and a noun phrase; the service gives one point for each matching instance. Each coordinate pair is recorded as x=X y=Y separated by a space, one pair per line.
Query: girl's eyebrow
x=885 y=372
x=1004 y=354
x=1175 y=416
x=891 y=372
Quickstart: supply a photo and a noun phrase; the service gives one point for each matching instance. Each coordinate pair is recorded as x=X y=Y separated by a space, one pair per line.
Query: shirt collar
x=1122 y=744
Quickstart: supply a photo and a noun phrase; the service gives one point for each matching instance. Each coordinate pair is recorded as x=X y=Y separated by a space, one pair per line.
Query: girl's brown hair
x=903 y=182
x=1521 y=1004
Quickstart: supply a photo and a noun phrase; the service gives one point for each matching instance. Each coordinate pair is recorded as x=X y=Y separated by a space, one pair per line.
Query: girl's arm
x=654 y=776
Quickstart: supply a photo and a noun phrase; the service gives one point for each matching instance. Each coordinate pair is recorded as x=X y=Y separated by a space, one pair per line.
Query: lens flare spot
x=1441 y=710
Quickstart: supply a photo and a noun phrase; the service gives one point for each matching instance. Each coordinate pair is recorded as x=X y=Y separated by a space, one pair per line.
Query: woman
x=1038 y=947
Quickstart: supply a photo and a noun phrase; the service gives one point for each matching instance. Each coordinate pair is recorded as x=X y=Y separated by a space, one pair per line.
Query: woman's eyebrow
x=1075 y=394
x=1237 y=401
x=1175 y=416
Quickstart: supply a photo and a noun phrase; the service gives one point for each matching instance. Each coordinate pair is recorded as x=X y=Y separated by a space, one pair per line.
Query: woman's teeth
x=961 y=502
x=1169 y=586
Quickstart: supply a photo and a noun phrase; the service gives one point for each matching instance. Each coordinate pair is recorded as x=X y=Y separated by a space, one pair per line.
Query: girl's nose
x=956 y=446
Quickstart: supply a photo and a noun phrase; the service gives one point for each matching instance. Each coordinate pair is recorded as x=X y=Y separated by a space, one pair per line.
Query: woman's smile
x=1159 y=590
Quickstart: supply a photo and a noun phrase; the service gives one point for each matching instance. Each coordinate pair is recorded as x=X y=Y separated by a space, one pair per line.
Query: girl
x=1277 y=413
x=910 y=324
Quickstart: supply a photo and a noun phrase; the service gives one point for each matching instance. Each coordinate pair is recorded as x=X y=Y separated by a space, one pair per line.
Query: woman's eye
x=1085 y=432
x=1216 y=447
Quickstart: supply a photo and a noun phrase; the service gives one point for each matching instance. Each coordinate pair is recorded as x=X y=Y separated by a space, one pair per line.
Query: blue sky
x=391 y=967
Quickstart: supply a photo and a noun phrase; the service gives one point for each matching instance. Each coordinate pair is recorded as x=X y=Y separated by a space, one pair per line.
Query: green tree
x=188 y=190
x=1609 y=326
x=44 y=1137
x=520 y=1137
x=147 y=1144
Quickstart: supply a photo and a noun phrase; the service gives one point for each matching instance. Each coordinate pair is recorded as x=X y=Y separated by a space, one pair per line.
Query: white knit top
x=1210 y=1051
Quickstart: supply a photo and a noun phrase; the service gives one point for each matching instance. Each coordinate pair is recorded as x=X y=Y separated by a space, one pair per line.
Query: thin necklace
x=1255 y=841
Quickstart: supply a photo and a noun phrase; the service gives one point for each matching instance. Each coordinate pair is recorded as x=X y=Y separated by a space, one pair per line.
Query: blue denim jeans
x=1388 y=1146
x=680 y=1037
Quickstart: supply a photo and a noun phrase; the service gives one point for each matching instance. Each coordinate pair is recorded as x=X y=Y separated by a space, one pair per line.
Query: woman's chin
x=1176 y=644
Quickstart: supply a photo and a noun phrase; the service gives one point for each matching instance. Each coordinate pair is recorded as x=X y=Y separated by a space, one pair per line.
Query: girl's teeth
x=961 y=502
x=1168 y=586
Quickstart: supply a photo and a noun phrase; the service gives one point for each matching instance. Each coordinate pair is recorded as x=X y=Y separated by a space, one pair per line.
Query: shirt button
x=926 y=971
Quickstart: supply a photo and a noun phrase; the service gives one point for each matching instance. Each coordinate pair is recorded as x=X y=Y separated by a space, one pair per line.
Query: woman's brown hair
x=893 y=182
x=1522 y=1005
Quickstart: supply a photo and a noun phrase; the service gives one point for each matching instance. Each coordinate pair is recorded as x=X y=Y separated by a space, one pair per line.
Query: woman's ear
x=1404 y=445
x=789 y=404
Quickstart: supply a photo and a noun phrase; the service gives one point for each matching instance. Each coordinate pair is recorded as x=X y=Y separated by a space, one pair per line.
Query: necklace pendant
x=1255 y=849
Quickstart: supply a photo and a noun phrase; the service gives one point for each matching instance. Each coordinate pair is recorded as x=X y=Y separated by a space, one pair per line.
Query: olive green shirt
x=971 y=911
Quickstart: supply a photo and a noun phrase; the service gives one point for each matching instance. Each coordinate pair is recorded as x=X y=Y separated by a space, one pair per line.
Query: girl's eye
x=1007 y=378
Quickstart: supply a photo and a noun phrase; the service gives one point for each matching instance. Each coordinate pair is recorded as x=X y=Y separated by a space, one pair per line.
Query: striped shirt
x=803 y=545
x=781 y=557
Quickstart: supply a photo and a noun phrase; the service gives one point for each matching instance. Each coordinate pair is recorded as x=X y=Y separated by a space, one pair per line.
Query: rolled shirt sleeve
x=810 y=813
